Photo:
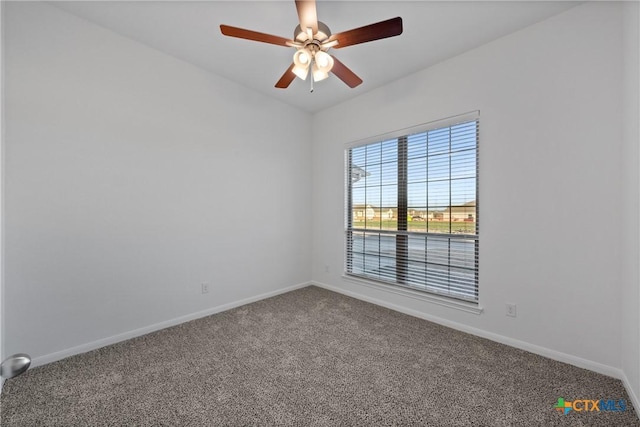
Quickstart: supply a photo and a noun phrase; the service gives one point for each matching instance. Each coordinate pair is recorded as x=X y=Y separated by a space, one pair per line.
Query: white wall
x=630 y=294
x=550 y=153
x=1 y=186
x=131 y=177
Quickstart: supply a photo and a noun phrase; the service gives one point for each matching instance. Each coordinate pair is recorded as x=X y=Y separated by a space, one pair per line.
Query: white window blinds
x=412 y=210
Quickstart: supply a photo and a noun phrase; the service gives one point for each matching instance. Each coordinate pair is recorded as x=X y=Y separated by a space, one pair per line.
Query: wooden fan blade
x=286 y=78
x=344 y=73
x=307 y=15
x=380 y=30
x=241 y=33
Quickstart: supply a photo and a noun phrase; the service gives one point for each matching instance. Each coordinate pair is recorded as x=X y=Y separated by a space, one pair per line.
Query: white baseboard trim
x=83 y=348
x=532 y=348
x=632 y=395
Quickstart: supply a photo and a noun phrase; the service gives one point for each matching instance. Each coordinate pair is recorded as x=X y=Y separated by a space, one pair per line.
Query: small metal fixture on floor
x=14 y=365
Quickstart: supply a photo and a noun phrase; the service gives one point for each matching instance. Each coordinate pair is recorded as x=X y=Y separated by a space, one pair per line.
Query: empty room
x=320 y=213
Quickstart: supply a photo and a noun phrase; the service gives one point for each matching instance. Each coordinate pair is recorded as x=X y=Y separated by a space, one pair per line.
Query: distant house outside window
x=412 y=209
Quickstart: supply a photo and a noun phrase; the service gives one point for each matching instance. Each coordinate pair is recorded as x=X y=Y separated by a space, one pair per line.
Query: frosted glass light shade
x=301 y=72
x=301 y=61
x=324 y=61
x=318 y=73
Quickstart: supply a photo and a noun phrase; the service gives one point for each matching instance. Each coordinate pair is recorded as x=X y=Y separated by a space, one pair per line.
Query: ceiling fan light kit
x=312 y=40
x=319 y=61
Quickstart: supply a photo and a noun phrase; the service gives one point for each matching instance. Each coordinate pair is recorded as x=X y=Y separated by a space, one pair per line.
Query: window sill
x=468 y=307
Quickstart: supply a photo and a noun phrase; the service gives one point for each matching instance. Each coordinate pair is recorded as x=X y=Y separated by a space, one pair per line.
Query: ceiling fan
x=313 y=39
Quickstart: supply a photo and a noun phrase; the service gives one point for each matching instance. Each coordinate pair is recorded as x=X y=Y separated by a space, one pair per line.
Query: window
x=412 y=209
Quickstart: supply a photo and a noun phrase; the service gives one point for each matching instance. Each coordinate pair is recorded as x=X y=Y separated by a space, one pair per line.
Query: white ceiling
x=433 y=32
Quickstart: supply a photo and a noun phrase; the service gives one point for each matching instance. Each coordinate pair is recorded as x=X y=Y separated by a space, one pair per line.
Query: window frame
x=465 y=303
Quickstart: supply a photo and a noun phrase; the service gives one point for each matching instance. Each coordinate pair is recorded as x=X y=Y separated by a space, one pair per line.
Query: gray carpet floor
x=308 y=357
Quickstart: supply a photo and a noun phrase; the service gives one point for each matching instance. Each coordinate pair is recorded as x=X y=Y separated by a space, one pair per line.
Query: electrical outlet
x=205 y=287
x=511 y=310
x=326 y=268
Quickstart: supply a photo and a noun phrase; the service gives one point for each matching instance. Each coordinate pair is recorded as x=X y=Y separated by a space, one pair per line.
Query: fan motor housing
x=323 y=34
